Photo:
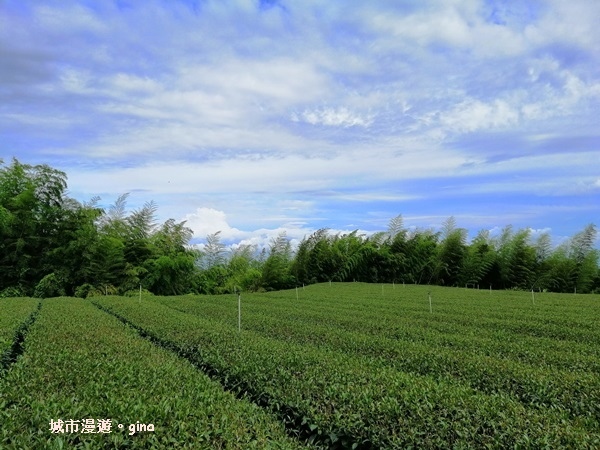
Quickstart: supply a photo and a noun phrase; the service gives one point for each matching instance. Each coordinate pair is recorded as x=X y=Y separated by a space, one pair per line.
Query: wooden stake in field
x=140 y=294
x=296 y=293
x=430 y=308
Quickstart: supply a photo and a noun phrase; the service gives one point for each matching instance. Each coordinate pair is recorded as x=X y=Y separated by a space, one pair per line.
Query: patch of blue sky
x=232 y=111
x=512 y=12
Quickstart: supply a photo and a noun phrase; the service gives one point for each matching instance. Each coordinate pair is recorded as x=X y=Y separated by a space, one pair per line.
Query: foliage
x=16 y=313
x=84 y=250
x=276 y=272
x=381 y=370
x=94 y=368
x=49 y=286
x=52 y=245
x=84 y=290
x=11 y=292
x=136 y=293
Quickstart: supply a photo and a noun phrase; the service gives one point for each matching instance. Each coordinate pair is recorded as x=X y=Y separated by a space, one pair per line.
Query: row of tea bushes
x=395 y=328
x=351 y=399
x=16 y=315
x=82 y=369
x=551 y=377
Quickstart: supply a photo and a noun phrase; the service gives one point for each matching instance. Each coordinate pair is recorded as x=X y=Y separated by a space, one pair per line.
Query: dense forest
x=51 y=244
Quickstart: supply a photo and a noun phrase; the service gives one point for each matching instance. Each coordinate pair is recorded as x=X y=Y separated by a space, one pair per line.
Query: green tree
x=31 y=215
x=585 y=258
x=478 y=261
x=517 y=259
x=421 y=249
x=313 y=261
x=451 y=253
x=244 y=272
x=170 y=275
x=276 y=271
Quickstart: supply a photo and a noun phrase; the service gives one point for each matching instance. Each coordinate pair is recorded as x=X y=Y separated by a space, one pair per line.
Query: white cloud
x=334 y=117
x=71 y=17
x=212 y=107
x=471 y=115
x=205 y=221
x=376 y=197
x=277 y=174
x=75 y=81
x=574 y=22
x=537 y=232
x=125 y=82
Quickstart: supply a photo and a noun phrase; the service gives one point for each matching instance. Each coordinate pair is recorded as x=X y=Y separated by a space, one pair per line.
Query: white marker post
x=532 y=297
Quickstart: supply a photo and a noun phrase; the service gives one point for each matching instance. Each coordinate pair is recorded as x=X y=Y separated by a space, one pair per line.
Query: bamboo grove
x=51 y=244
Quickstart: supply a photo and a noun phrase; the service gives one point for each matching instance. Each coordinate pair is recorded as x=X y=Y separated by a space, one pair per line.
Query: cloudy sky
x=253 y=117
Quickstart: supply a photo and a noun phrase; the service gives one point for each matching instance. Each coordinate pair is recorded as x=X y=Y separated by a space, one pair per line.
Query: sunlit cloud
x=300 y=115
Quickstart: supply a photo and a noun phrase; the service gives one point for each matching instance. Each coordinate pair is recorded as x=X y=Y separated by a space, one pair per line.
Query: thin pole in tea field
x=140 y=294
x=296 y=293
x=430 y=308
x=239 y=312
x=532 y=297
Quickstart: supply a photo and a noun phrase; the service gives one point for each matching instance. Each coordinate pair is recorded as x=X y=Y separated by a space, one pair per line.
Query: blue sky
x=253 y=117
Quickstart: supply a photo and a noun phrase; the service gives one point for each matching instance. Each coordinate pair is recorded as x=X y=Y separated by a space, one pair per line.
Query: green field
x=342 y=365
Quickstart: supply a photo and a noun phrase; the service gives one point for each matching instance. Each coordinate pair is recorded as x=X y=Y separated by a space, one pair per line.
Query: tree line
x=51 y=244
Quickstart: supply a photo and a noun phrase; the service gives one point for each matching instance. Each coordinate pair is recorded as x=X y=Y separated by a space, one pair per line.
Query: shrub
x=136 y=293
x=84 y=290
x=11 y=292
x=49 y=286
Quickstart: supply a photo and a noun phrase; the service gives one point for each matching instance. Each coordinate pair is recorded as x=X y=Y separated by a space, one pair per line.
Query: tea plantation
x=342 y=365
